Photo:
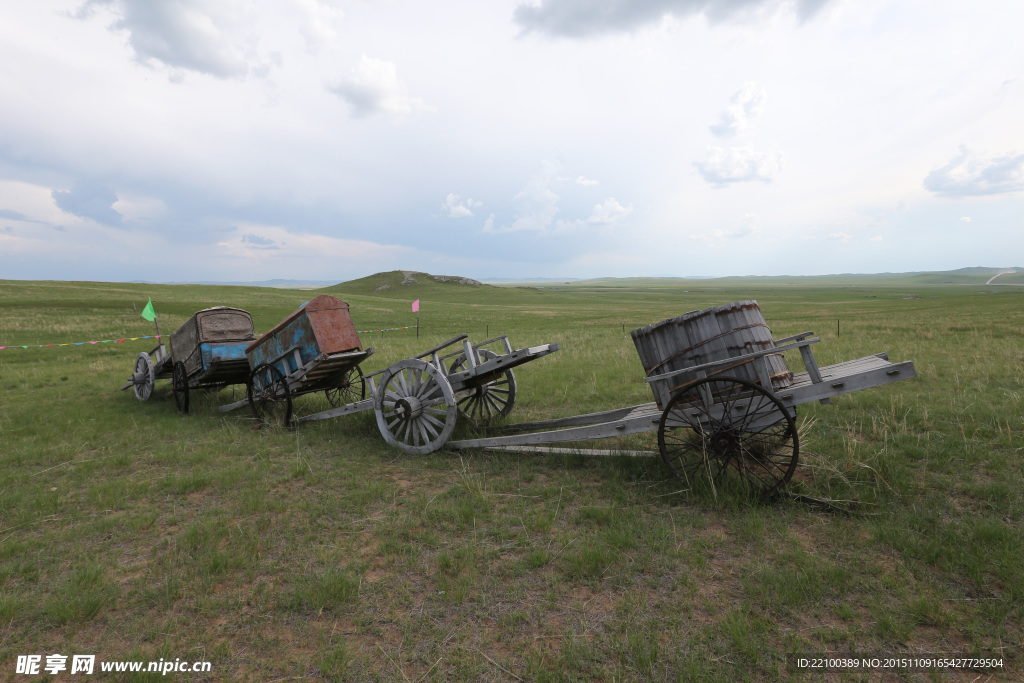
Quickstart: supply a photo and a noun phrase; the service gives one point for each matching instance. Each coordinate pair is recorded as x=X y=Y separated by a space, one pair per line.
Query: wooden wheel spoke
x=437 y=412
x=269 y=396
x=427 y=395
x=743 y=433
x=495 y=398
x=752 y=417
x=468 y=405
x=431 y=420
x=755 y=472
x=430 y=403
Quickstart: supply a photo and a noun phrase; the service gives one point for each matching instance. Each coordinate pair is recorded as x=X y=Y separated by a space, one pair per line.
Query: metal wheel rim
x=491 y=401
x=269 y=397
x=409 y=386
x=143 y=369
x=179 y=386
x=351 y=389
x=724 y=428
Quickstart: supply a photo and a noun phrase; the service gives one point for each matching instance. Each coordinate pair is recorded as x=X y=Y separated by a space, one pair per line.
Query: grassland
x=131 y=532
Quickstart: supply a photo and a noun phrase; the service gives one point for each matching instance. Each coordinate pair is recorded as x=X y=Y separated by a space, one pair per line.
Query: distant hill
x=411 y=285
x=961 y=276
x=405 y=280
x=523 y=280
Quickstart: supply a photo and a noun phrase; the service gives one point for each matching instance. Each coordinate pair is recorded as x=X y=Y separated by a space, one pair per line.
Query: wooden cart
x=713 y=422
x=417 y=401
x=316 y=348
x=207 y=352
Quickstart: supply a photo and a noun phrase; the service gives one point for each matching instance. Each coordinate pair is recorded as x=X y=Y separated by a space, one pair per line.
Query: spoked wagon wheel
x=269 y=397
x=352 y=388
x=722 y=429
x=144 y=377
x=179 y=386
x=492 y=400
x=415 y=407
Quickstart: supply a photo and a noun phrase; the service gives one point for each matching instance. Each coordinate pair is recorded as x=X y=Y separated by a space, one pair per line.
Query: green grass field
x=134 y=533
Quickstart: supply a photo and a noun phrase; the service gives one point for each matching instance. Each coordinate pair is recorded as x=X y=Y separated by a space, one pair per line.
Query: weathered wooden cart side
x=713 y=424
x=417 y=401
x=316 y=348
x=207 y=351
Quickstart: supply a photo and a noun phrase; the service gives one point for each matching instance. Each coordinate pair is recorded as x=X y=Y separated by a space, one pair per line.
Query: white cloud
x=742 y=112
x=965 y=219
x=31 y=203
x=971 y=174
x=372 y=87
x=609 y=212
x=37 y=228
x=274 y=246
x=258 y=242
x=717 y=236
x=211 y=38
x=840 y=236
x=89 y=199
x=581 y=18
x=459 y=208
x=139 y=209
x=585 y=181
x=537 y=206
x=876 y=238
x=319 y=22
x=738 y=165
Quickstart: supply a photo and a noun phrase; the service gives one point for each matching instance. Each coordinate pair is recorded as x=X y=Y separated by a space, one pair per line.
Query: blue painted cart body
x=208 y=351
x=211 y=346
x=316 y=348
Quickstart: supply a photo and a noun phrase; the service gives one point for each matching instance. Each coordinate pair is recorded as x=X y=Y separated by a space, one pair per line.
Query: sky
x=248 y=140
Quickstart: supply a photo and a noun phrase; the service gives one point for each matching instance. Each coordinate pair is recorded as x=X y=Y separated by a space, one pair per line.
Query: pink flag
x=416 y=306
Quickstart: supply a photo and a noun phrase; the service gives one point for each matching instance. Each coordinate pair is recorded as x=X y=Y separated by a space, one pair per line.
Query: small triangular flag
x=148 y=313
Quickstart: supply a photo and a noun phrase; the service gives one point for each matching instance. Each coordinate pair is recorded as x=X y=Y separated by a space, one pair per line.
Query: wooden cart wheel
x=269 y=397
x=179 y=386
x=721 y=429
x=415 y=407
x=351 y=389
x=492 y=400
x=144 y=377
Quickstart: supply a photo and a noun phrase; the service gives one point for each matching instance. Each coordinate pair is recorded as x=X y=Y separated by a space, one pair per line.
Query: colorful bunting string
x=387 y=329
x=158 y=336
x=100 y=341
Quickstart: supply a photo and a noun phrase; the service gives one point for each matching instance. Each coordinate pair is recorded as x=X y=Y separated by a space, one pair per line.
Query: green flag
x=148 y=313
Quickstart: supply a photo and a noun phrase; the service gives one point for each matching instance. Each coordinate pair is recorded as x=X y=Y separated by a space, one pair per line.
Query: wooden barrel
x=700 y=337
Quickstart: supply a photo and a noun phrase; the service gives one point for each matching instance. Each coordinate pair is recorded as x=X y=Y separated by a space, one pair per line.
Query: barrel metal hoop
x=705 y=341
